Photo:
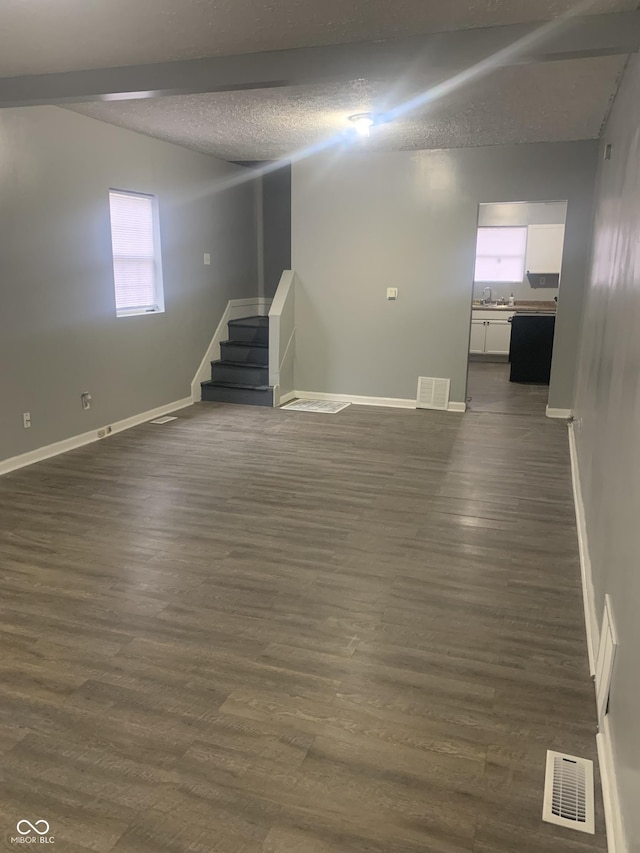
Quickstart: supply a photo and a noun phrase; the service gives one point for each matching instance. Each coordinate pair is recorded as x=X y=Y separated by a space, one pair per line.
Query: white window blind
x=500 y=254
x=136 y=267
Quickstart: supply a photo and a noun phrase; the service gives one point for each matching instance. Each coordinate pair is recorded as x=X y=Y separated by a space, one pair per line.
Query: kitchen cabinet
x=476 y=343
x=490 y=332
x=544 y=248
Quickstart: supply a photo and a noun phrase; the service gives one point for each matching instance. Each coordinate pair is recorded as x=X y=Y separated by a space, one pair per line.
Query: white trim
x=565 y=414
x=588 y=595
x=616 y=842
x=391 y=402
x=290 y=348
x=282 y=331
x=49 y=450
x=235 y=310
x=457 y=407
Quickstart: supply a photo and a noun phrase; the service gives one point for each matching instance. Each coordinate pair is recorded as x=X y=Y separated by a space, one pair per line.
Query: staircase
x=241 y=375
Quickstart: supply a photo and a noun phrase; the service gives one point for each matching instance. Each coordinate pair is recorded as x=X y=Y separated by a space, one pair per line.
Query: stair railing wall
x=282 y=332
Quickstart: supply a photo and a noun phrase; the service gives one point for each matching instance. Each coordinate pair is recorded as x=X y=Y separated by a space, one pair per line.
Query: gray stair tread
x=221 y=383
x=255 y=322
x=246 y=344
x=252 y=364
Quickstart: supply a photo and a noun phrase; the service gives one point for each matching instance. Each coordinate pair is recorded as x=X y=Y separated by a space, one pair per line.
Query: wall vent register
x=568 y=792
x=433 y=393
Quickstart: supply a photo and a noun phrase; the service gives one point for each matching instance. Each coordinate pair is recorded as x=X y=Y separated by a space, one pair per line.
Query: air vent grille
x=433 y=393
x=568 y=792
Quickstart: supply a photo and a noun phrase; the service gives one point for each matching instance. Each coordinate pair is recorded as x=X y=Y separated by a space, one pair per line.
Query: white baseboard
x=615 y=834
x=616 y=842
x=58 y=447
x=588 y=595
x=564 y=414
x=457 y=407
x=236 y=308
x=391 y=402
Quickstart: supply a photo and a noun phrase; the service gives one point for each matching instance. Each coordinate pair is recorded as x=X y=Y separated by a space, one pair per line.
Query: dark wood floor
x=489 y=390
x=263 y=631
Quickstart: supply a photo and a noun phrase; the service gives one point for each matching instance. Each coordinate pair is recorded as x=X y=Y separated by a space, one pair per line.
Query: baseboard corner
x=562 y=414
x=286 y=398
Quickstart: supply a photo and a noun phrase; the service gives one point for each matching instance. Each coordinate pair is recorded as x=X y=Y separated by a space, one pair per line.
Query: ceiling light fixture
x=362 y=122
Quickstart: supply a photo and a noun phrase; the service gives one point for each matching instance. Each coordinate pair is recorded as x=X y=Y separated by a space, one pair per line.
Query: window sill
x=139 y=312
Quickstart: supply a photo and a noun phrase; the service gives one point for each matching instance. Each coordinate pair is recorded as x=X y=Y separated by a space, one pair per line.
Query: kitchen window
x=135 y=241
x=500 y=254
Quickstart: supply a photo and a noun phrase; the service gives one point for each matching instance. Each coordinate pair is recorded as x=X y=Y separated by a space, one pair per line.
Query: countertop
x=528 y=306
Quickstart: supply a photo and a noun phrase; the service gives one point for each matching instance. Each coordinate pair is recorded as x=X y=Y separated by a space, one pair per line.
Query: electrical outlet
x=207 y=259
x=26 y=420
x=101 y=433
x=392 y=294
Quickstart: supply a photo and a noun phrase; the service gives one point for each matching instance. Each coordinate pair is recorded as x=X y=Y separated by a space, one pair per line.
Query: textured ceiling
x=40 y=36
x=549 y=102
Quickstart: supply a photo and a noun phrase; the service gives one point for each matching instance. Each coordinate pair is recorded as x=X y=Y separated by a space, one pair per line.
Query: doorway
x=519 y=247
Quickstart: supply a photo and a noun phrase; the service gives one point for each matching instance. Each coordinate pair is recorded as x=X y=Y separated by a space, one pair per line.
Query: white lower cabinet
x=490 y=332
x=476 y=343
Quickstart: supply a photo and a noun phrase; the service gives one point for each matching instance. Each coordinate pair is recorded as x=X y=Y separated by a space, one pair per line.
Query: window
x=135 y=241
x=500 y=254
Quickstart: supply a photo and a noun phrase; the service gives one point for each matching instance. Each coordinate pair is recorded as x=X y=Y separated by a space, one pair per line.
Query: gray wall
x=276 y=219
x=59 y=334
x=364 y=221
x=608 y=412
x=523 y=213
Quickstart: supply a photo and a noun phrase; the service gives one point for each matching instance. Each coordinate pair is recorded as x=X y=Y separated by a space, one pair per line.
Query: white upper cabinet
x=544 y=248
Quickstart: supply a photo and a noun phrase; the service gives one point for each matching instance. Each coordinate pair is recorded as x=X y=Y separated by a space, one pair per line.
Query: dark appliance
x=531 y=347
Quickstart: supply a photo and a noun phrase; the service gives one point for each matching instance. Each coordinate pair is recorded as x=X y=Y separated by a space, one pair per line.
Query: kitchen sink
x=493 y=306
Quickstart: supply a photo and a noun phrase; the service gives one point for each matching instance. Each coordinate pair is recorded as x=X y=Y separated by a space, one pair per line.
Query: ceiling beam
x=437 y=55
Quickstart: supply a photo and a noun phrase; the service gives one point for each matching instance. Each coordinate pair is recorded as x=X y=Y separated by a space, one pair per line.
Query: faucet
x=484 y=299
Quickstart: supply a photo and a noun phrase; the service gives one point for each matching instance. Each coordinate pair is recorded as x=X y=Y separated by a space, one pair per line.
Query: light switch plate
x=207 y=259
x=392 y=293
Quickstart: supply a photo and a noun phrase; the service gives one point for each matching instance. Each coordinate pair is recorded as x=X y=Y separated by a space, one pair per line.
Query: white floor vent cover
x=327 y=407
x=164 y=420
x=433 y=393
x=568 y=792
